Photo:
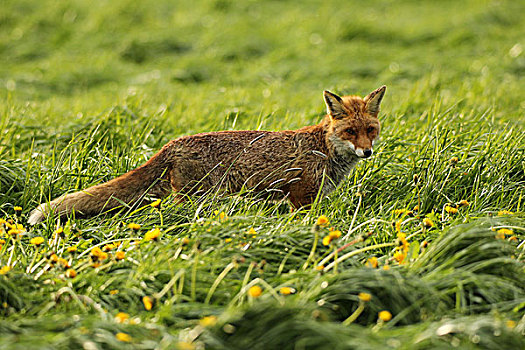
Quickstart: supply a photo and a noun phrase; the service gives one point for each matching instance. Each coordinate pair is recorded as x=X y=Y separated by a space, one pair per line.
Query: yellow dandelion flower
x=156 y=203
x=124 y=337
x=319 y=267
x=222 y=215
x=120 y=255
x=505 y=212
x=327 y=240
x=510 y=324
x=463 y=203
x=121 y=317
x=5 y=269
x=70 y=273
x=386 y=267
x=152 y=235
x=454 y=160
x=451 y=210
x=63 y=262
x=398 y=226
x=208 y=321
x=37 y=241
x=18 y=209
x=428 y=223
x=287 y=290
x=185 y=241
x=365 y=296
x=113 y=291
x=399 y=257
x=251 y=231
x=59 y=232
x=506 y=231
x=500 y=235
x=416 y=208
x=385 y=315
x=228 y=240
x=322 y=221
x=255 y=291
x=148 y=302
x=53 y=258
x=334 y=234
x=372 y=262
x=134 y=226
x=399 y=211
x=71 y=249
x=109 y=247
x=512 y=238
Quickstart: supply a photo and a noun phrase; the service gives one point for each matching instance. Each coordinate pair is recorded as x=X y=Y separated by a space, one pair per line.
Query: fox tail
x=151 y=178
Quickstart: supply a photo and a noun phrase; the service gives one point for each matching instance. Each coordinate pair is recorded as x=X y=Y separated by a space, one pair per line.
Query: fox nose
x=367 y=153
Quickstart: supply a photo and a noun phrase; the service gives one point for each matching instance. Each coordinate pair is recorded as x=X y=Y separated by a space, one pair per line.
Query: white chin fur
x=359 y=152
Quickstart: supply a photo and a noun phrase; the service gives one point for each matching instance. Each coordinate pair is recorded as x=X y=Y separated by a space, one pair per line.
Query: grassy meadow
x=421 y=247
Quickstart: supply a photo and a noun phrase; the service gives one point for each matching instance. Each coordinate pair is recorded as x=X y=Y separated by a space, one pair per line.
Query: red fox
x=293 y=164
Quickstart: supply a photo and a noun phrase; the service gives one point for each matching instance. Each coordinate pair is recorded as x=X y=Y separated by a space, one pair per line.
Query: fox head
x=353 y=125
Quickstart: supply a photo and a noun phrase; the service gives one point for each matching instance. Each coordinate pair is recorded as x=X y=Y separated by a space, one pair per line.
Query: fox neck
x=341 y=159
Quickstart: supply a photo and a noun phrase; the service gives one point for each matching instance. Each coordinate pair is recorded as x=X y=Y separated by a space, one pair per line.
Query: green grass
x=91 y=90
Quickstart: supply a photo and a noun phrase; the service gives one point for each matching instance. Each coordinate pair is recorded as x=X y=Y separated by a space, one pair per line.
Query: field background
x=92 y=89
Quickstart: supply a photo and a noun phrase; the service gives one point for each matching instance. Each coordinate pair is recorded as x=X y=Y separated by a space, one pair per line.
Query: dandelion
x=512 y=238
x=70 y=273
x=364 y=296
x=71 y=249
x=37 y=241
x=454 y=160
x=18 y=209
x=152 y=235
x=451 y=210
x=59 y=232
x=120 y=255
x=398 y=212
x=148 y=302
x=326 y=240
x=385 y=315
x=386 y=267
x=222 y=215
x=228 y=240
x=109 y=247
x=121 y=317
x=113 y=291
x=5 y=269
x=505 y=231
x=286 y=290
x=134 y=226
x=505 y=212
x=124 y=337
x=53 y=258
x=98 y=255
x=251 y=231
x=463 y=203
x=208 y=321
x=500 y=235
x=416 y=208
x=510 y=324
x=322 y=221
x=319 y=267
x=334 y=234
x=63 y=262
x=156 y=203
x=255 y=291
x=372 y=262
x=399 y=257
x=427 y=222
x=185 y=241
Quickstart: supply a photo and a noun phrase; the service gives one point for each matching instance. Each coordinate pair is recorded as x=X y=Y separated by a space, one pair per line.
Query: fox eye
x=370 y=129
x=351 y=131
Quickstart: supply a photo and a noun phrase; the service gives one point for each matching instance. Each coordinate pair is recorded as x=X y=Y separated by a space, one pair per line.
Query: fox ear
x=334 y=105
x=373 y=100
